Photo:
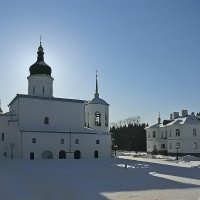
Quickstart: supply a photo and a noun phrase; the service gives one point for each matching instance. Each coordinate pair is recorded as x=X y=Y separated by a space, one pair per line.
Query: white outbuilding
x=41 y=126
x=178 y=135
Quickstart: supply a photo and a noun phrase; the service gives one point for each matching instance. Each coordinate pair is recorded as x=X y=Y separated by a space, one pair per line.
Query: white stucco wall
x=46 y=141
x=36 y=84
x=61 y=114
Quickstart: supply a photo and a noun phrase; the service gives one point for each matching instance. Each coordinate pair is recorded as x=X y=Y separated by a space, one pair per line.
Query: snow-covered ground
x=129 y=176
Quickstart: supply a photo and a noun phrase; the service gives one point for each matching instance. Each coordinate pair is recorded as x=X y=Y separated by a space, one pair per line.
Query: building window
x=43 y=90
x=77 y=141
x=46 y=120
x=178 y=145
x=62 y=141
x=195 y=145
x=33 y=90
x=170 y=145
x=2 y=137
x=5 y=154
x=148 y=135
x=170 y=133
x=106 y=120
x=97 y=142
x=177 y=132
x=194 y=132
x=33 y=140
x=162 y=146
x=98 y=119
x=154 y=134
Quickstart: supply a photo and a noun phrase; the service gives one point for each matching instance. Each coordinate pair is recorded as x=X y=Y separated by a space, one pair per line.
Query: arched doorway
x=47 y=155
x=77 y=154
x=96 y=154
x=32 y=156
x=62 y=155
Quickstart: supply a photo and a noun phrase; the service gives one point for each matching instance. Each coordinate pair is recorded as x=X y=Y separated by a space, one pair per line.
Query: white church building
x=41 y=126
x=178 y=135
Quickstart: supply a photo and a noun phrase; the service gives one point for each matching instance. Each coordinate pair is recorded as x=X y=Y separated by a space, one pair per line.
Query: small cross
x=40 y=39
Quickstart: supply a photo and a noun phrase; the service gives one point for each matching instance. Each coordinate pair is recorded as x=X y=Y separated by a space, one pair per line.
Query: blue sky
x=147 y=52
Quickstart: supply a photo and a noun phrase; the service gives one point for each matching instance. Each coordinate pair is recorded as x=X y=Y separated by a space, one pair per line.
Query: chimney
x=176 y=115
x=171 y=116
x=184 y=113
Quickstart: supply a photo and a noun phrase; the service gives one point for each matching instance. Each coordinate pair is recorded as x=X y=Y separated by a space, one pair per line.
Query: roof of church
x=45 y=98
x=98 y=100
x=40 y=67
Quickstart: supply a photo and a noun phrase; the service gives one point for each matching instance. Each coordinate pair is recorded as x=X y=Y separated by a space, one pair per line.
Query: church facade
x=41 y=126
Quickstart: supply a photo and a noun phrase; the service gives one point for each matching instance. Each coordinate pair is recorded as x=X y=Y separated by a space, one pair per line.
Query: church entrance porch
x=62 y=155
x=47 y=155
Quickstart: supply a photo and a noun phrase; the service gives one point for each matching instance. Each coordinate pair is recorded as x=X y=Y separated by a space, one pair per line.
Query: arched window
x=46 y=120
x=62 y=141
x=43 y=90
x=194 y=132
x=96 y=154
x=62 y=155
x=77 y=154
x=195 y=145
x=31 y=156
x=106 y=120
x=97 y=142
x=97 y=119
x=33 y=140
x=33 y=90
x=47 y=155
x=177 y=132
x=154 y=134
x=77 y=141
x=2 y=137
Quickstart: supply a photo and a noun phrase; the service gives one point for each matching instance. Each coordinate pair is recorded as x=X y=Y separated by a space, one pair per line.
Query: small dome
x=40 y=67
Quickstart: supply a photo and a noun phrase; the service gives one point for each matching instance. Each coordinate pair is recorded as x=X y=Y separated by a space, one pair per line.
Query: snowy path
x=98 y=179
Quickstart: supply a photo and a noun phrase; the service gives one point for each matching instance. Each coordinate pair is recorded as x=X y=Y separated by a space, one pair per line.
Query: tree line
x=129 y=134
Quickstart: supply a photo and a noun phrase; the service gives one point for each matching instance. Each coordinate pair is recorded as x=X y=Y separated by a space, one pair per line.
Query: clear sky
x=147 y=52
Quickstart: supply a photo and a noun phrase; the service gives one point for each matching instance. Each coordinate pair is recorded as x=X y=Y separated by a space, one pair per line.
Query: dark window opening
x=2 y=137
x=47 y=155
x=177 y=132
x=46 y=120
x=77 y=154
x=33 y=140
x=62 y=141
x=96 y=154
x=77 y=141
x=62 y=155
x=98 y=119
x=31 y=156
x=154 y=134
x=33 y=90
x=97 y=142
x=106 y=120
